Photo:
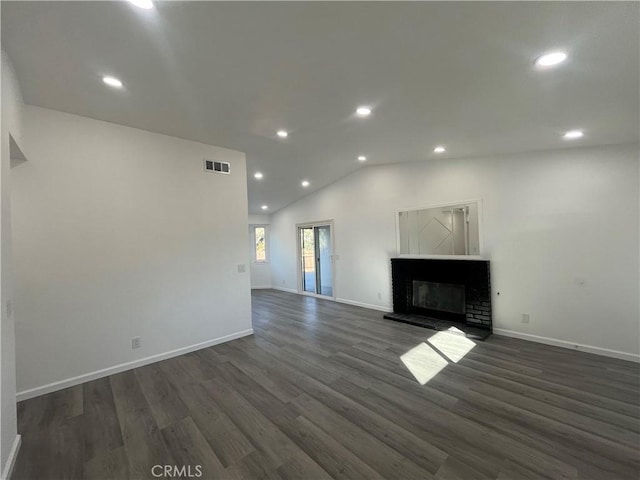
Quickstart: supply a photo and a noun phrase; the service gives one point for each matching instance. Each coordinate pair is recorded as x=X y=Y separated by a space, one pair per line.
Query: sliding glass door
x=308 y=255
x=316 y=259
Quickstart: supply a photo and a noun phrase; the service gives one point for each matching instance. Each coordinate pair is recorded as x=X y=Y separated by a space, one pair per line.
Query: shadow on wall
x=15 y=153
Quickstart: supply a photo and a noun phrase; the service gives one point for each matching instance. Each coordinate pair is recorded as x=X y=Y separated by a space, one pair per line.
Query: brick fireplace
x=439 y=294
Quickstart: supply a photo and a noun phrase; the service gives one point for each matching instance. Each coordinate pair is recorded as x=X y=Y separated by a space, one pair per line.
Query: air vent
x=217 y=167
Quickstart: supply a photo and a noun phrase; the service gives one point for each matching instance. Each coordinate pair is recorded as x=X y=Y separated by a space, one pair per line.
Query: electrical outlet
x=242 y=268
x=284 y=282
x=379 y=296
x=525 y=318
x=135 y=342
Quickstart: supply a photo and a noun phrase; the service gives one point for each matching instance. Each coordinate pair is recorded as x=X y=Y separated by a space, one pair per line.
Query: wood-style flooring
x=320 y=392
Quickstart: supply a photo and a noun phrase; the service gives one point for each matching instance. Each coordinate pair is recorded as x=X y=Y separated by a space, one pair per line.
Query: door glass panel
x=308 y=257
x=325 y=270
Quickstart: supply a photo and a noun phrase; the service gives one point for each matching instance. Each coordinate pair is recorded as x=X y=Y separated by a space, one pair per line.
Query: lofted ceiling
x=232 y=74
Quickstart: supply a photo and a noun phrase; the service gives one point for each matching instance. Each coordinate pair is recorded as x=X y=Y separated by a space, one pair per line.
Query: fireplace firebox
x=438 y=296
x=442 y=293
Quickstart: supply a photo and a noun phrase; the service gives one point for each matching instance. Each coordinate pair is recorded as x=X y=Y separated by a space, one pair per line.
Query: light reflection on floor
x=425 y=362
x=452 y=344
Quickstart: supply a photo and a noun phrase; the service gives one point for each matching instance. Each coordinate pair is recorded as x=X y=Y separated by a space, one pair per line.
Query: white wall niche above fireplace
x=443 y=230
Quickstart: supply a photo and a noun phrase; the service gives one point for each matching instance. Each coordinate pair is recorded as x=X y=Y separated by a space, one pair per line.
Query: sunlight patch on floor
x=423 y=362
x=453 y=345
x=426 y=361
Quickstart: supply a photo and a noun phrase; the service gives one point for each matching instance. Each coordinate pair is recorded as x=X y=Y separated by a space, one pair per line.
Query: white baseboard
x=261 y=287
x=11 y=460
x=381 y=308
x=283 y=289
x=570 y=345
x=105 y=372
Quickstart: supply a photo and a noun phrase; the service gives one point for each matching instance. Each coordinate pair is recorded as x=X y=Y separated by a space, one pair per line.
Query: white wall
x=260 y=271
x=119 y=233
x=552 y=221
x=11 y=125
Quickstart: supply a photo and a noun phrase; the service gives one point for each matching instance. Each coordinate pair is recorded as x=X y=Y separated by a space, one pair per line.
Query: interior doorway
x=315 y=253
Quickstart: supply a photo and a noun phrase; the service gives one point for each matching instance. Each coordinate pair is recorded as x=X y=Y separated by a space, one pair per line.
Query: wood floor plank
x=100 y=423
x=455 y=469
x=263 y=434
x=564 y=402
x=471 y=433
x=327 y=452
x=379 y=456
x=108 y=464
x=190 y=449
x=255 y=466
x=226 y=440
x=269 y=380
x=415 y=449
x=302 y=466
x=267 y=404
x=163 y=399
x=54 y=452
x=588 y=424
x=561 y=388
x=50 y=410
x=513 y=471
x=479 y=457
x=143 y=442
x=574 y=461
x=320 y=391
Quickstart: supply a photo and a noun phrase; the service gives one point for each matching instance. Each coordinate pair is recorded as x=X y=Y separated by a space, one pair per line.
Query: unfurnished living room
x=314 y=240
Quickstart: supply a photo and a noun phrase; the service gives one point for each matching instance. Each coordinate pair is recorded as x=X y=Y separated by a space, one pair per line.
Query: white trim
x=87 y=377
x=442 y=257
x=288 y=290
x=261 y=287
x=632 y=357
x=316 y=295
x=381 y=308
x=438 y=205
x=11 y=459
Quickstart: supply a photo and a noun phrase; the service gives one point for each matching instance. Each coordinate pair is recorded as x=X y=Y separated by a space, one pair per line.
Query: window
x=260 y=241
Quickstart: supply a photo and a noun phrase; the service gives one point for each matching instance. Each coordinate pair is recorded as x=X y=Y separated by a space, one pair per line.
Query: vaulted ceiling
x=232 y=74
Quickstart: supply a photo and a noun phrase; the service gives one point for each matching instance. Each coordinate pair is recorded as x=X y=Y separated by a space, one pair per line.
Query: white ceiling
x=231 y=74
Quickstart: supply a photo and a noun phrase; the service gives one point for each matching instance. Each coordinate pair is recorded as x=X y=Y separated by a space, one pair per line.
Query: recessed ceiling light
x=283 y=133
x=362 y=158
x=363 y=111
x=439 y=149
x=257 y=175
x=145 y=4
x=264 y=207
x=550 y=59
x=305 y=183
x=573 y=134
x=112 y=81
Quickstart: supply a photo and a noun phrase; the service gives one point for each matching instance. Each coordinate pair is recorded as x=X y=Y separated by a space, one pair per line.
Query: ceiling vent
x=217 y=167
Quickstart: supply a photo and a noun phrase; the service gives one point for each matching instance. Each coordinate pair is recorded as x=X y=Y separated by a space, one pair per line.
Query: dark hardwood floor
x=320 y=392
